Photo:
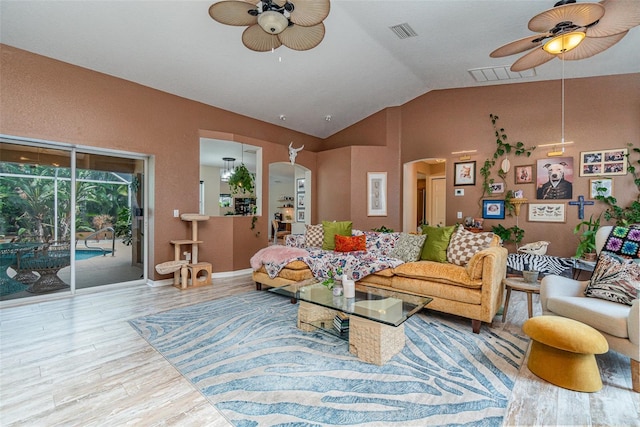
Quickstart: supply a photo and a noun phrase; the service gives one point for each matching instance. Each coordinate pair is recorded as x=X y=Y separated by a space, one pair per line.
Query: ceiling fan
x=296 y=24
x=573 y=31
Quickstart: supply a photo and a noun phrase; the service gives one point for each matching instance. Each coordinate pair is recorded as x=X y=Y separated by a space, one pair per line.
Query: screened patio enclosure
x=68 y=217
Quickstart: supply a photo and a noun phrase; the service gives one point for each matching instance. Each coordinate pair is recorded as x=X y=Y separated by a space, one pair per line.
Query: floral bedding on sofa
x=355 y=264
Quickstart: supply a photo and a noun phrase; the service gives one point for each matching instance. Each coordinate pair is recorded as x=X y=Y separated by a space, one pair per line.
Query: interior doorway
x=424 y=194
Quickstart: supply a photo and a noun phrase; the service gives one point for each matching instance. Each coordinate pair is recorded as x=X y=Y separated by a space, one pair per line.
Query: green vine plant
x=241 y=180
x=630 y=214
x=502 y=148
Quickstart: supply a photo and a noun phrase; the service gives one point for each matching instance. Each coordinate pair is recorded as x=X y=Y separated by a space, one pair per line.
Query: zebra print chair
x=618 y=323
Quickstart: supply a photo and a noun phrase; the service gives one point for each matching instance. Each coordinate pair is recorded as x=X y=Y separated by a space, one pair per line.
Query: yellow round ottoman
x=562 y=352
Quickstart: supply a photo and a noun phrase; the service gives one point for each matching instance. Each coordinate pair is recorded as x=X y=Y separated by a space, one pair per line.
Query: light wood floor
x=77 y=362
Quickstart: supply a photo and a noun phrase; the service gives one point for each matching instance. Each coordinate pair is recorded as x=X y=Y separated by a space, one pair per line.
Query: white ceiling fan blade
x=532 y=59
x=619 y=16
x=591 y=46
x=580 y=14
x=233 y=12
x=255 y=38
x=309 y=12
x=518 y=46
x=302 y=38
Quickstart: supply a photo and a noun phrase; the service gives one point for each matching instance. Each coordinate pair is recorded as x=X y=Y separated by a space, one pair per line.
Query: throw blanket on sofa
x=355 y=264
x=275 y=258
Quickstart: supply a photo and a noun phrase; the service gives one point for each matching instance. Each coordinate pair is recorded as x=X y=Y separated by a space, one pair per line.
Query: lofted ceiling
x=360 y=67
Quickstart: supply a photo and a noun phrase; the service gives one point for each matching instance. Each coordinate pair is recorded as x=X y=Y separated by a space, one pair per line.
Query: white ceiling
x=360 y=67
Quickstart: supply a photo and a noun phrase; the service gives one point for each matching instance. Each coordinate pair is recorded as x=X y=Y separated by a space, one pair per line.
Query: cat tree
x=188 y=272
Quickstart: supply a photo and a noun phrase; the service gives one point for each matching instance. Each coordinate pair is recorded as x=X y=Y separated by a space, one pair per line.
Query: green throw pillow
x=435 y=248
x=331 y=228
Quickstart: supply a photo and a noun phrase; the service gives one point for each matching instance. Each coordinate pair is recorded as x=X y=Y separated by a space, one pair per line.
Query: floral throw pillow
x=623 y=241
x=409 y=247
x=351 y=243
x=615 y=279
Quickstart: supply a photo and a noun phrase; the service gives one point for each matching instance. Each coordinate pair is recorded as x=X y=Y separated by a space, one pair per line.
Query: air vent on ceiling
x=490 y=74
x=403 y=31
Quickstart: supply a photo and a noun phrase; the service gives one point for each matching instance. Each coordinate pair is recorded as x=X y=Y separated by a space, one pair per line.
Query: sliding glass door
x=70 y=218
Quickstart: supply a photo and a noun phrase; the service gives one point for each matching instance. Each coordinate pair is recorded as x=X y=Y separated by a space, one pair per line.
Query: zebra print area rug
x=246 y=356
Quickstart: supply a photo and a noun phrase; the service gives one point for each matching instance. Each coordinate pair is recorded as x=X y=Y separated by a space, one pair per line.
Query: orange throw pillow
x=351 y=243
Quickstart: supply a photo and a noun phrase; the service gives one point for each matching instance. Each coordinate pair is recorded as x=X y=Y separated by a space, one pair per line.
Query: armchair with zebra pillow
x=608 y=301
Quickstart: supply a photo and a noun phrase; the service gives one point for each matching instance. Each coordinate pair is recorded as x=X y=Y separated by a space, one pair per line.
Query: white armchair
x=618 y=323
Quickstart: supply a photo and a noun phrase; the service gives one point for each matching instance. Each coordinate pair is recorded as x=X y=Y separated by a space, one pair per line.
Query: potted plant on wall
x=587 y=241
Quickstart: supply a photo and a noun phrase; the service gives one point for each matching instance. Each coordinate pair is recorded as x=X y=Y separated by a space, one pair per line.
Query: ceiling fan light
x=273 y=22
x=564 y=42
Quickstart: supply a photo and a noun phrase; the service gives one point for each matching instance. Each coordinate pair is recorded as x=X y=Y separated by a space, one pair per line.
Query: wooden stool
x=518 y=284
x=199 y=274
x=562 y=352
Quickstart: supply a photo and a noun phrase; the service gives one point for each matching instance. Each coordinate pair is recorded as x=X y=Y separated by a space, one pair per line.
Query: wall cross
x=581 y=202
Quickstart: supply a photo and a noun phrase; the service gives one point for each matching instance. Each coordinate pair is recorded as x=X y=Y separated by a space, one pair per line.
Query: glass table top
x=380 y=305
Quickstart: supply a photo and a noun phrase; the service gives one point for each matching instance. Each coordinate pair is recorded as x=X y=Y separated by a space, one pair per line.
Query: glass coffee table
x=373 y=321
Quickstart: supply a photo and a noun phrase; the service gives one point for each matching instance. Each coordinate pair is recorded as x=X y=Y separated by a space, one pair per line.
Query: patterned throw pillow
x=351 y=244
x=623 y=241
x=314 y=236
x=464 y=244
x=409 y=247
x=615 y=279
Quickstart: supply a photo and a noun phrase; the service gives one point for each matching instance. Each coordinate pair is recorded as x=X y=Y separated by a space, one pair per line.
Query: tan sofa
x=474 y=291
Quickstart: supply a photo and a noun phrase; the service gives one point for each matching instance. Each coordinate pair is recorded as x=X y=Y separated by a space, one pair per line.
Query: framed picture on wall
x=497 y=188
x=493 y=209
x=300 y=203
x=523 y=174
x=464 y=173
x=604 y=162
x=547 y=212
x=376 y=194
x=300 y=215
x=554 y=178
x=601 y=187
x=300 y=185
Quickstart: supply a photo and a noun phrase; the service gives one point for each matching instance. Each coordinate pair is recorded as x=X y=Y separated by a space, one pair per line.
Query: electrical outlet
x=459 y=215
x=176 y=213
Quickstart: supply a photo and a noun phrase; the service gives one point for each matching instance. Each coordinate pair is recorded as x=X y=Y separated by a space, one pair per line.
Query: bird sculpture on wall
x=293 y=152
x=535 y=248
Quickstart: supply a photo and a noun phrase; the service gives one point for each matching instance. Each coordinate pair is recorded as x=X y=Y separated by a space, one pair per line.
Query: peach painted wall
x=55 y=101
x=600 y=113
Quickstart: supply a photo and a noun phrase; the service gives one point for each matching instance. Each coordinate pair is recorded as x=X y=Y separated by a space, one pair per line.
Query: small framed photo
x=547 y=212
x=300 y=215
x=464 y=173
x=497 y=188
x=601 y=187
x=604 y=162
x=300 y=204
x=376 y=194
x=300 y=185
x=524 y=174
x=493 y=209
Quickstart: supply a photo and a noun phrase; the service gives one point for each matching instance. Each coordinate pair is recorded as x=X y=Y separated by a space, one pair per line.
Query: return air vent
x=490 y=74
x=403 y=31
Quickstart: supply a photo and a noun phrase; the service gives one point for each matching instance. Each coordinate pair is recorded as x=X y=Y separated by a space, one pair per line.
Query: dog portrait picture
x=554 y=178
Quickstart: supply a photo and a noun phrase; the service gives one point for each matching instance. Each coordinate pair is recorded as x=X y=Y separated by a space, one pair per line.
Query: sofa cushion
x=452 y=296
x=605 y=316
x=409 y=247
x=291 y=274
x=314 y=236
x=297 y=265
x=435 y=247
x=331 y=228
x=440 y=272
x=464 y=244
x=350 y=243
x=623 y=241
x=614 y=279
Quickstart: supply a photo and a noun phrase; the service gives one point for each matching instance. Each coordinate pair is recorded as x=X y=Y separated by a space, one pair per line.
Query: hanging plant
x=241 y=180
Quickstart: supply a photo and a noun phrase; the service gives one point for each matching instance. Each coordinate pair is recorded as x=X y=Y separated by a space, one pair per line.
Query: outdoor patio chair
x=47 y=262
